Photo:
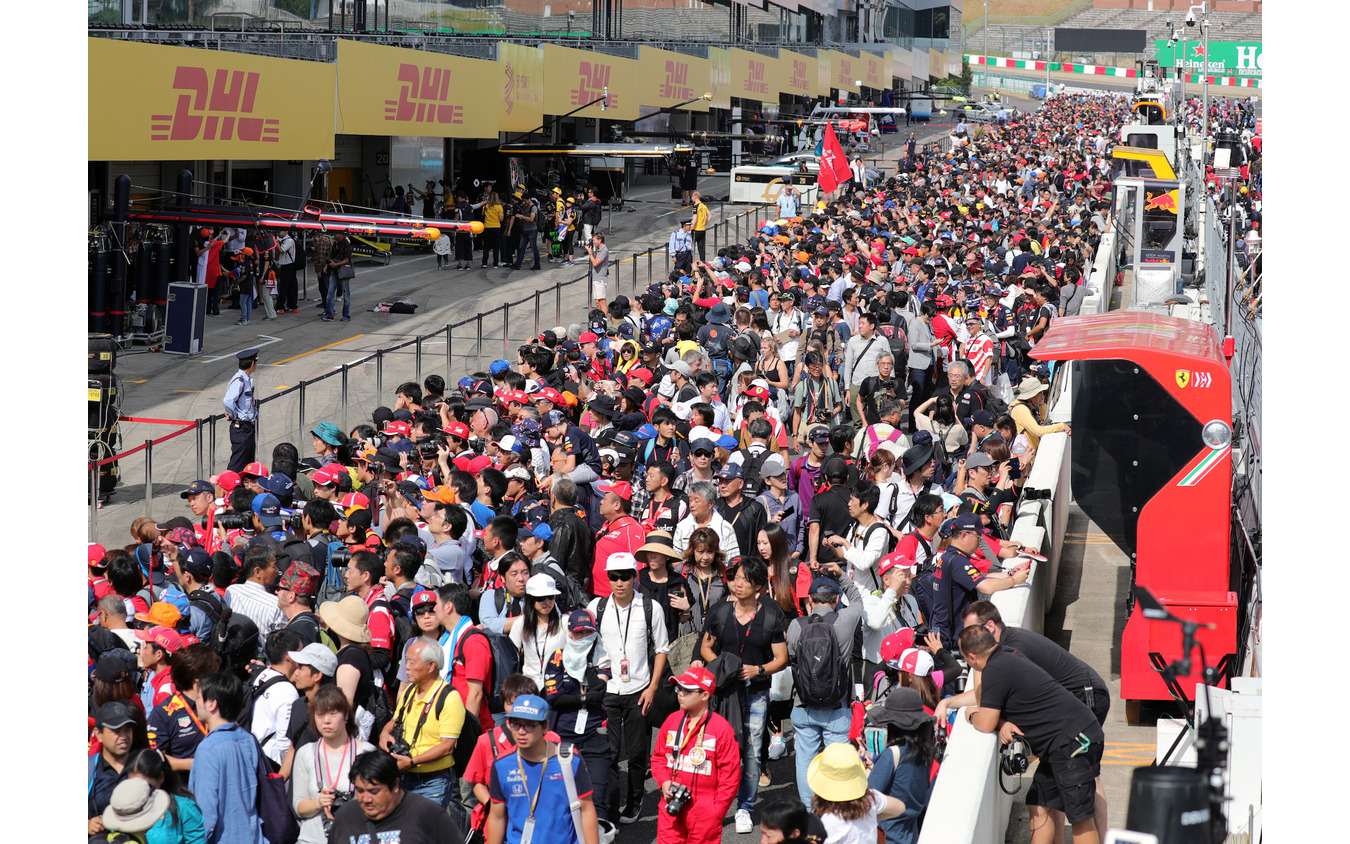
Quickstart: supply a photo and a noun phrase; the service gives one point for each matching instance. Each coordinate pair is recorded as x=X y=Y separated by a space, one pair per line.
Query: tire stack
x=105 y=402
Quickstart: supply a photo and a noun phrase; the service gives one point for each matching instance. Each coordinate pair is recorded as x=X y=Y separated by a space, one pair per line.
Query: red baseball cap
x=165 y=637
x=329 y=474
x=458 y=429
x=642 y=374
x=896 y=558
x=355 y=499
x=257 y=470
x=588 y=337
x=473 y=465
x=423 y=598
x=549 y=394
x=517 y=396
x=896 y=644
x=402 y=429
x=98 y=555
x=226 y=480
x=696 y=678
x=620 y=488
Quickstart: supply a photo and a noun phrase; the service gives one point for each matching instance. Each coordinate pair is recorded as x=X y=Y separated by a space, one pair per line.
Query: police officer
x=681 y=247
x=242 y=412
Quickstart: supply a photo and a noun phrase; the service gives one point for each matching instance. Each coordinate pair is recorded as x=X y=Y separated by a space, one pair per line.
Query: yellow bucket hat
x=837 y=774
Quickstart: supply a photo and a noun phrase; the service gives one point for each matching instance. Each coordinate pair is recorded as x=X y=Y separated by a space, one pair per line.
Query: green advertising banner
x=1226 y=58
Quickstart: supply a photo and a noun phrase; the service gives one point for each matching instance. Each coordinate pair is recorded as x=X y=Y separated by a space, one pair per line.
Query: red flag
x=834 y=169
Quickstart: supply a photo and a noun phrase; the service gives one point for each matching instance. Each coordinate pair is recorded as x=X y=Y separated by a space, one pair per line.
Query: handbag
x=346 y=273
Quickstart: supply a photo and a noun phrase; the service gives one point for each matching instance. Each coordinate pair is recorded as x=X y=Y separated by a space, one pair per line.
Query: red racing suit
x=712 y=783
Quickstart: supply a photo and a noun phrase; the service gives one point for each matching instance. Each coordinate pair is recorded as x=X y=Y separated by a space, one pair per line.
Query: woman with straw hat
x=844 y=803
x=659 y=583
x=346 y=620
x=136 y=805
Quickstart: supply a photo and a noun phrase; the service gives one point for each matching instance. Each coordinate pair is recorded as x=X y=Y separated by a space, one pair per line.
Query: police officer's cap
x=247 y=355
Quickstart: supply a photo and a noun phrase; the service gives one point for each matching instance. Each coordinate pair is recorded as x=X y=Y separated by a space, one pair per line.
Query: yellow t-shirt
x=492 y=216
x=448 y=725
x=700 y=217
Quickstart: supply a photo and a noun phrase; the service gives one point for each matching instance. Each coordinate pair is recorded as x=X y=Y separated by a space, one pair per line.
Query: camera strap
x=320 y=748
x=408 y=699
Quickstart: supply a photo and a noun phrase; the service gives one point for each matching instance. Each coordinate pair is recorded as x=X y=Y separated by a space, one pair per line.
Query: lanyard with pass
x=527 y=830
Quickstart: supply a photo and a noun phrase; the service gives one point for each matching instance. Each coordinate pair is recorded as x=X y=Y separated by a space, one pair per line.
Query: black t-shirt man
x=416 y=820
x=305 y=625
x=872 y=388
x=752 y=642
x=1063 y=667
x=830 y=510
x=1043 y=710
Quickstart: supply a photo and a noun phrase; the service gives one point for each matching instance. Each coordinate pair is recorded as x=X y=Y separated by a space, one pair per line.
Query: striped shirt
x=253 y=600
x=980 y=352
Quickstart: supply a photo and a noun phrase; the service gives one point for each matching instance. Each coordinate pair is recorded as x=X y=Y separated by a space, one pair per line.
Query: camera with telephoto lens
x=940 y=743
x=339 y=557
x=427 y=447
x=678 y=799
x=1013 y=759
x=295 y=522
x=920 y=632
x=340 y=799
x=235 y=521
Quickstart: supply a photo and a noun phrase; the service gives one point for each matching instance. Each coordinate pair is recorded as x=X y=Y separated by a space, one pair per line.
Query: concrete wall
x=1182 y=5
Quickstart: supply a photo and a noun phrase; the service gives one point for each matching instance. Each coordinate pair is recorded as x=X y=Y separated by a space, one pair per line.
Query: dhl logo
x=422 y=97
x=592 y=82
x=754 y=82
x=797 y=81
x=1168 y=201
x=214 y=110
x=846 y=76
x=676 y=86
x=509 y=95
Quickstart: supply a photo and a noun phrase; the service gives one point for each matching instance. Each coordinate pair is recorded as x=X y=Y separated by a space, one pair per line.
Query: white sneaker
x=743 y=822
x=777 y=747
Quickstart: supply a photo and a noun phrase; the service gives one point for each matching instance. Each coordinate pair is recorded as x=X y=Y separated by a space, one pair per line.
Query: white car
x=981 y=112
x=812 y=162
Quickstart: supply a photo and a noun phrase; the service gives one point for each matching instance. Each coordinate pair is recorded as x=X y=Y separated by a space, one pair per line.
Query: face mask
x=576 y=656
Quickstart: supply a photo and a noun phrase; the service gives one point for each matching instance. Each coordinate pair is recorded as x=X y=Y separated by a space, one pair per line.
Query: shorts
x=1066 y=783
x=600 y=286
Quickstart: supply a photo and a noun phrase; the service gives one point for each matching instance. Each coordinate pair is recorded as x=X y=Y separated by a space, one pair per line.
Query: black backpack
x=572 y=596
x=403 y=629
x=235 y=637
x=821 y=668
x=253 y=692
x=505 y=662
x=750 y=472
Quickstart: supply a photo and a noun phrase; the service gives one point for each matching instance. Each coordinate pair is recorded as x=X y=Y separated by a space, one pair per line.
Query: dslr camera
x=678 y=799
x=235 y=521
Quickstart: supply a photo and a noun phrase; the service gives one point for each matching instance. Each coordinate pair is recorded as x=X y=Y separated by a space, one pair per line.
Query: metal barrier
x=349 y=394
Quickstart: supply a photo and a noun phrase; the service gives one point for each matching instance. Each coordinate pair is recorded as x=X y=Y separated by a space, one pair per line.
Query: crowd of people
x=755 y=513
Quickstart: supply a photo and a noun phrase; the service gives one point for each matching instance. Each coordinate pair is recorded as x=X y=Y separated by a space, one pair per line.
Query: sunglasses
x=426 y=609
x=622 y=575
x=682 y=691
x=702 y=453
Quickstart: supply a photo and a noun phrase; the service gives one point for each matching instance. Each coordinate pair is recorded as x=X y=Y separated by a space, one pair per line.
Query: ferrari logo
x=1183 y=378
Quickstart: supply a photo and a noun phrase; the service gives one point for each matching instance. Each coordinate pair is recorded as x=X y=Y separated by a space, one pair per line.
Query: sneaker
x=743 y=822
x=777 y=747
x=326 y=319
x=631 y=813
x=536 y=267
x=764 y=779
x=568 y=263
x=293 y=311
x=266 y=318
x=346 y=319
x=243 y=322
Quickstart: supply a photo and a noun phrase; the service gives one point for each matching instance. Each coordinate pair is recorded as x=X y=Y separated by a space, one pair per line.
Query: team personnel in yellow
x=700 y=223
x=428 y=719
x=492 y=230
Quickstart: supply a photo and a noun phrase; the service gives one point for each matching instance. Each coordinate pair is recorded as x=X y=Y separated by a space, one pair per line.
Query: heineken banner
x=1226 y=58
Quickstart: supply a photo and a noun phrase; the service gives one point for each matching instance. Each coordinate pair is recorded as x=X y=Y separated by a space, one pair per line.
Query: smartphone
x=790 y=511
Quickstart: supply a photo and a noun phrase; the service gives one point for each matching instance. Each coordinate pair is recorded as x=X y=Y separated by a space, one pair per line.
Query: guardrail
x=348 y=394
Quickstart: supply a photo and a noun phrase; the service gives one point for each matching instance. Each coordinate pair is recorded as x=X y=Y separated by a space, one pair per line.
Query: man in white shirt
x=860 y=360
x=252 y=598
x=787 y=325
x=633 y=633
x=703 y=513
x=885 y=613
x=273 y=695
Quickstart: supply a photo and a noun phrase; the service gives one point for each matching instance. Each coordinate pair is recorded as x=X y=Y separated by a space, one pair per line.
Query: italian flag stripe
x=1100 y=70
x=1194 y=476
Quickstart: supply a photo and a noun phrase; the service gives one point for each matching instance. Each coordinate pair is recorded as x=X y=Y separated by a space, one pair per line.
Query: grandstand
x=1004 y=38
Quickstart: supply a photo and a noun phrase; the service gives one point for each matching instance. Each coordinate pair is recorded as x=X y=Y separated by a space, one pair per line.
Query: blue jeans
x=755 y=712
x=815 y=727
x=246 y=302
x=440 y=787
x=532 y=240
x=338 y=285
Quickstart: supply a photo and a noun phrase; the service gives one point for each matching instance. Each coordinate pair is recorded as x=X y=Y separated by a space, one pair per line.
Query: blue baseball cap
x=646 y=432
x=553 y=417
x=499 y=367
x=727 y=441
x=278 y=484
x=268 y=509
x=825 y=584
x=529 y=708
x=541 y=531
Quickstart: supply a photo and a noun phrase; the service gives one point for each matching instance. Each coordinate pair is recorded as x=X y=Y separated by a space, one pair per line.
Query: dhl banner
x=845 y=71
x=937 y=64
x=520 y=72
x=875 y=70
x=901 y=65
x=575 y=77
x=824 y=72
x=752 y=75
x=393 y=91
x=797 y=74
x=180 y=103
x=719 y=75
x=669 y=78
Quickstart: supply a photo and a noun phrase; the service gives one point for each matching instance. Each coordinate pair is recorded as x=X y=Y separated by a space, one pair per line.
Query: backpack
x=252 y=693
x=821 y=668
x=235 y=637
x=651 y=621
x=333 y=587
x=873 y=579
x=469 y=733
x=899 y=344
x=279 y=824
x=209 y=604
x=750 y=471
x=403 y=628
x=505 y=662
x=572 y=596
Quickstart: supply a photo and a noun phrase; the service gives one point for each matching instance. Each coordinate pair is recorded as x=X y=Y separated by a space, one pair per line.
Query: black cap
x=247 y=355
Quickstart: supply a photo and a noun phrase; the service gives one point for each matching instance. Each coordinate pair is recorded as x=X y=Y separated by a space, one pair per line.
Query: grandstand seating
x=1224 y=26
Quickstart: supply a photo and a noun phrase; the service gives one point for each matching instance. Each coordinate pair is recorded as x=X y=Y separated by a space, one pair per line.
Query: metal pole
x=379 y=373
x=344 y=396
x=300 y=420
x=149 y=485
x=738 y=228
x=635 y=283
x=1204 y=125
x=213 y=442
x=1232 y=217
x=557 y=304
x=590 y=286
x=480 y=343
x=537 y=327
x=506 y=329
x=201 y=467
x=649 y=265
x=986 y=27
x=93 y=501
x=449 y=369
x=257 y=423
x=417 y=347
